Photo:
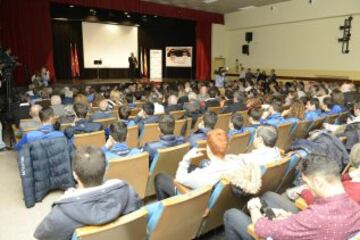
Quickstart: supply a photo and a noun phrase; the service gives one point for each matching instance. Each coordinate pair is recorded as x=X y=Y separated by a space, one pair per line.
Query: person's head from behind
x=35 y=110
x=255 y=115
x=312 y=104
x=167 y=124
x=149 y=108
x=213 y=92
x=355 y=156
x=172 y=100
x=297 y=110
x=236 y=122
x=81 y=98
x=357 y=108
x=89 y=166
x=80 y=110
x=265 y=136
x=47 y=115
x=203 y=91
x=238 y=97
x=322 y=174
x=55 y=100
x=103 y=105
x=229 y=94
x=210 y=119
x=327 y=104
x=337 y=97
x=118 y=132
x=276 y=106
x=217 y=144
x=124 y=112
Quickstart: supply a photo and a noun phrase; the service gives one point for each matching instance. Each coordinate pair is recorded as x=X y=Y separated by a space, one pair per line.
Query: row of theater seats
x=191 y=213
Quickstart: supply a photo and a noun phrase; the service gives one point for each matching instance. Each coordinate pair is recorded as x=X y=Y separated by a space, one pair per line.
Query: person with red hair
x=209 y=174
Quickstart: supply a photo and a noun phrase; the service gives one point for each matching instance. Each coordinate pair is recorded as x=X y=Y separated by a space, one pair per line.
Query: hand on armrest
x=181 y=188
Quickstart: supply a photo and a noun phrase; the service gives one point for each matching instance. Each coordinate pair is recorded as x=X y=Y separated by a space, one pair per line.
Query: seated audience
x=337 y=98
x=212 y=101
x=273 y=116
x=236 y=125
x=46 y=116
x=218 y=164
x=265 y=151
x=208 y=123
x=158 y=107
x=296 y=111
x=93 y=202
x=116 y=146
x=35 y=121
x=81 y=124
x=237 y=105
x=57 y=106
x=352 y=130
x=333 y=215
x=103 y=111
x=167 y=138
x=146 y=116
x=173 y=104
x=313 y=111
x=254 y=119
x=124 y=114
x=326 y=106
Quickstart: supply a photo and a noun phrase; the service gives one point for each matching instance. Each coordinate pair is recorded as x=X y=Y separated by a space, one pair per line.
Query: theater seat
x=150 y=133
x=177 y=114
x=95 y=139
x=178 y=217
x=223 y=121
x=284 y=135
x=239 y=143
x=216 y=110
x=132 y=139
x=301 y=130
x=133 y=169
x=165 y=161
x=129 y=227
x=179 y=124
x=106 y=121
x=245 y=116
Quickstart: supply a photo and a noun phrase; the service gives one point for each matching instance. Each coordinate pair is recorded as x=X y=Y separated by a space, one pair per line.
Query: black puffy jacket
x=44 y=165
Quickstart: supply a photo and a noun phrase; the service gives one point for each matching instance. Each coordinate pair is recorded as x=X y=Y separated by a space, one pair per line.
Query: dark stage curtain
x=203 y=50
x=26 y=28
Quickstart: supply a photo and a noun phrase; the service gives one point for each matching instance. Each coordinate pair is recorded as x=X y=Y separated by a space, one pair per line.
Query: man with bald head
x=103 y=112
x=34 y=122
x=172 y=104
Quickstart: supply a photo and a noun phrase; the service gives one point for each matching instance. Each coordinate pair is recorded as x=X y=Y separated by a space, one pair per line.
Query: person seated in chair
x=35 y=121
x=219 y=163
x=82 y=125
x=103 y=112
x=167 y=138
x=208 y=123
x=326 y=107
x=337 y=98
x=237 y=105
x=47 y=117
x=273 y=116
x=173 y=104
x=264 y=145
x=313 y=111
x=116 y=146
x=212 y=101
x=93 y=202
x=333 y=215
x=124 y=114
x=254 y=119
x=236 y=125
x=146 y=116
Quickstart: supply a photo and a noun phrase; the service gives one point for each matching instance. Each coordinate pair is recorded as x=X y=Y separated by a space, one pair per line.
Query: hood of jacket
x=171 y=140
x=247 y=178
x=98 y=205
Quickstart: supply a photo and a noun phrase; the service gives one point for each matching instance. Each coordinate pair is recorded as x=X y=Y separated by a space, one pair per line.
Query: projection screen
x=110 y=43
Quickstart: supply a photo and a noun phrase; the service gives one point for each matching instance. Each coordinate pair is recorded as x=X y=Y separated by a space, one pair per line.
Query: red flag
x=72 y=61
x=76 y=62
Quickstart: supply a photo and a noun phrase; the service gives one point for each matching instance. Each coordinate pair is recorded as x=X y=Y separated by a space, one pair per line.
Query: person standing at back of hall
x=132 y=66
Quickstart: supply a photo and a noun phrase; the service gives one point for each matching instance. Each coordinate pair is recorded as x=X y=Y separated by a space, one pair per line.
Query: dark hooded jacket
x=94 y=206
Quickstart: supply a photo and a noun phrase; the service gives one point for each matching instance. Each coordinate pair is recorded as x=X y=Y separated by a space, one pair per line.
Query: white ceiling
x=219 y=6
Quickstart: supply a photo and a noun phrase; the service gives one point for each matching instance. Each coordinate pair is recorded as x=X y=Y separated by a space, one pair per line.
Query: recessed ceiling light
x=155 y=16
x=71 y=6
x=247 y=7
x=209 y=1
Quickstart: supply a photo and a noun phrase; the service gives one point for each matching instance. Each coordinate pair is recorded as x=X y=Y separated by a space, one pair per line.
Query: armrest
x=300 y=203
x=181 y=188
x=251 y=231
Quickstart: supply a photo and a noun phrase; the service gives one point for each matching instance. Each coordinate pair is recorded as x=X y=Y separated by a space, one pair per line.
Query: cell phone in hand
x=266 y=210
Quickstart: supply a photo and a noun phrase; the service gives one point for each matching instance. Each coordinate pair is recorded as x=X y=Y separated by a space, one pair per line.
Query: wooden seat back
x=284 y=136
x=129 y=227
x=177 y=114
x=151 y=133
x=96 y=139
x=133 y=169
x=132 y=139
x=106 y=122
x=223 y=121
x=239 y=143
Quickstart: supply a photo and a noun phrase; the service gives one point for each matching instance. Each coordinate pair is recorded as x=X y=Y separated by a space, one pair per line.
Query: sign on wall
x=179 y=56
x=155 y=64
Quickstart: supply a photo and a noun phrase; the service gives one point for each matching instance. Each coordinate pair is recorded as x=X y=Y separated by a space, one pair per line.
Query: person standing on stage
x=132 y=66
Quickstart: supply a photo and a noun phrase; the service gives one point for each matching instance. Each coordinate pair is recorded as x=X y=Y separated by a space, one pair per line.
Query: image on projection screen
x=110 y=43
